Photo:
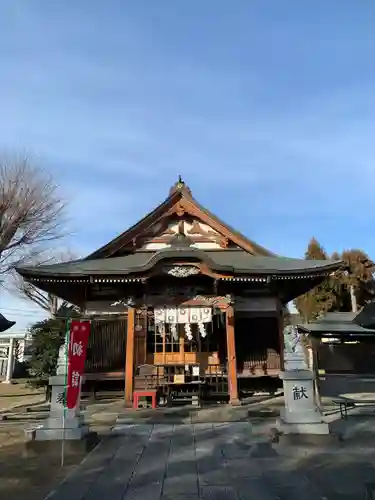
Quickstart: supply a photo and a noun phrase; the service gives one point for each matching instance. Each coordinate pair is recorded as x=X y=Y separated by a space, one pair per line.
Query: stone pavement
x=13 y=396
x=217 y=461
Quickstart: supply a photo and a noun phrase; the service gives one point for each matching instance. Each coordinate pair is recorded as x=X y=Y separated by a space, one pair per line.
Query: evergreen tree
x=322 y=298
x=353 y=286
x=47 y=337
x=287 y=317
x=358 y=274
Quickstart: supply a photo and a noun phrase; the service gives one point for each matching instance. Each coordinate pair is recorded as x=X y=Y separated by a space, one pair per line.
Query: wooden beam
x=129 y=362
x=231 y=354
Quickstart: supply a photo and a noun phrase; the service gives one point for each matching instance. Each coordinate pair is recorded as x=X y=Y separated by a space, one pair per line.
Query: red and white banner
x=78 y=340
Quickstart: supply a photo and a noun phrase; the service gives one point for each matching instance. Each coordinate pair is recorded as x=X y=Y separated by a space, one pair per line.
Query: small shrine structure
x=343 y=342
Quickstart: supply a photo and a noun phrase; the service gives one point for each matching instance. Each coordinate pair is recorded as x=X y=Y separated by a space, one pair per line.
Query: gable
x=202 y=235
x=179 y=212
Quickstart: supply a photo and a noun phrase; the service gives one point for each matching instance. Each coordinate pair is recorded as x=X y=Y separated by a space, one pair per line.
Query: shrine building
x=181 y=299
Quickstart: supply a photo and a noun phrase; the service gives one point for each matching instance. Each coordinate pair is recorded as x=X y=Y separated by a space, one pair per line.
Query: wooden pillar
x=315 y=368
x=129 y=362
x=182 y=346
x=231 y=354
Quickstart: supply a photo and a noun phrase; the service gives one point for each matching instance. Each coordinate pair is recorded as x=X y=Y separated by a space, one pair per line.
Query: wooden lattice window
x=151 y=337
x=209 y=343
x=158 y=340
x=192 y=345
x=172 y=341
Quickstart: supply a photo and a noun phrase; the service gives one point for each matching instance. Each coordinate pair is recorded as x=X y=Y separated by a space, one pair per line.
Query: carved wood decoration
x=197 y=229
x=189 y=207
x=181 y=271
x=224 y=242
x=202 y=235
x=180 y=209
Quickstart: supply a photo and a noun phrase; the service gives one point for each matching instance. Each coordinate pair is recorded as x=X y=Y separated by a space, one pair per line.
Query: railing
x=259 y=365
x=214 y=377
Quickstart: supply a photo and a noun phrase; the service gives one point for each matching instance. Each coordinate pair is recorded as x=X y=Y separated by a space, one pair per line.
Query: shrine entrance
x=185 y=335
x=180 y=346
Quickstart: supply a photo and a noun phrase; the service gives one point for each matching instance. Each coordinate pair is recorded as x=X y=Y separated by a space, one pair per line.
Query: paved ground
x=31 y=477
x=214 y=461
x=15 y=395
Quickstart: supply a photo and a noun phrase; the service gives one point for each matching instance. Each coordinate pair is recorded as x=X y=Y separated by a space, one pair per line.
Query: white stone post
x=10 y=362
x=61 y=424
x=301 y=414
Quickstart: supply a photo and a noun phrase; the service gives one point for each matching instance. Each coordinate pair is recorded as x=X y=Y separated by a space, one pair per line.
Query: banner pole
x=67 y=342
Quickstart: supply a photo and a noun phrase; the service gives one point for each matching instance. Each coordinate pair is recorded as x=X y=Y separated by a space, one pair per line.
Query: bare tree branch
x=25 y=290
x=31 y=212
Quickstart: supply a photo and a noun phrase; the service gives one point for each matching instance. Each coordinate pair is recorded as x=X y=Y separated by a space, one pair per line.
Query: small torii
x=5 y=324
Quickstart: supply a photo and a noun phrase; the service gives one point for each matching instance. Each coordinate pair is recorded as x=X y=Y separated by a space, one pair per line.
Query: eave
x=236 y=264
x=120 y=278
x=337 y=324
x=335 y=330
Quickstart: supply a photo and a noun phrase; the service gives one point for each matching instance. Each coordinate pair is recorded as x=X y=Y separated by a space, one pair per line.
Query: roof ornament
x=180 y=186
x=180 y=241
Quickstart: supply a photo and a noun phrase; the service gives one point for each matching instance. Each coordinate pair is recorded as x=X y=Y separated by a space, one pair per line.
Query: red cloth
x=79 y=337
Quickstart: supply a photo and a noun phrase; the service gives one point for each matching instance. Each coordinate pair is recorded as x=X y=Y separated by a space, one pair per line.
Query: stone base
x=48 y=434
x=235 y=402
x=58 y=422
x=294 y=361
x=309 y=439
x=302 y=427
x=309 y=416
x=53 y=446
x=53 y=430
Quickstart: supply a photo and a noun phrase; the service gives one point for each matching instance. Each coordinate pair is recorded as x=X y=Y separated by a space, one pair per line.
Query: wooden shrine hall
x=182 y=302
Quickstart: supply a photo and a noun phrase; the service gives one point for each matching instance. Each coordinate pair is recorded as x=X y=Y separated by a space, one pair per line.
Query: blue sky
x=267 y=110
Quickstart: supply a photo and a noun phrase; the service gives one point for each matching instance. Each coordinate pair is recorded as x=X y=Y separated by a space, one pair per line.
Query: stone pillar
x=61 y=423
x=232 y=360
x=300 y=414
x=10 y=362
